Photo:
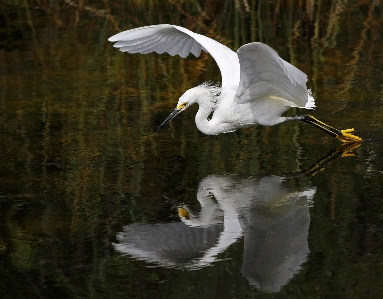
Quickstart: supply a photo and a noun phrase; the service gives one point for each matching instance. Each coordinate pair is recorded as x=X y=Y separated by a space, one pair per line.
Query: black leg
x=322 y=126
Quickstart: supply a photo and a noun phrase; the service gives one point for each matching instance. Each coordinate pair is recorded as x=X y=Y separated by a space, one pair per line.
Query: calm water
x=92 y=199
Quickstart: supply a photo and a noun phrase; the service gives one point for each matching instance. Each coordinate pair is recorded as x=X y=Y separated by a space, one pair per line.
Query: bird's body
x=257 y=85
x=227 y=114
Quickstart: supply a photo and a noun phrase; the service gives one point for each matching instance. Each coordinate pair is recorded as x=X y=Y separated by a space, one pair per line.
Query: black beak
x=171 y=116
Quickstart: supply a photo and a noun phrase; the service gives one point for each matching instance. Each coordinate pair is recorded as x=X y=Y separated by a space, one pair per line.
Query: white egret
x=257 y=85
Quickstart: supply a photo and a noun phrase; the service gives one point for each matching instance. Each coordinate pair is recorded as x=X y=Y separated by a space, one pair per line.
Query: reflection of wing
x=266 y=76
x=275 y=244
x=274 y=222
x=167 y=244
x=178 y=40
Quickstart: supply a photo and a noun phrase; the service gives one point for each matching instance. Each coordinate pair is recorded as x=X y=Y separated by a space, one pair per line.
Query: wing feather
x=196 y=50
x=178 y=40
x=178 y=44
x=151 y=42
x=137 y=42
x=187 y=48
x=162 y=45
x=264 y=74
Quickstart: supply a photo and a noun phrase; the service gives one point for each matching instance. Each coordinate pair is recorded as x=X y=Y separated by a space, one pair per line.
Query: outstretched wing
x=178 y=40
x=264 y=74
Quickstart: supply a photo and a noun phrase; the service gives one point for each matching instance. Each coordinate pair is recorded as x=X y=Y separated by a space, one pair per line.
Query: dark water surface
x=95 y=204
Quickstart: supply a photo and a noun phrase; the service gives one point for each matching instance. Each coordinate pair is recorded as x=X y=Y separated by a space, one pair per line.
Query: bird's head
x=205 y=95
x=190 y=97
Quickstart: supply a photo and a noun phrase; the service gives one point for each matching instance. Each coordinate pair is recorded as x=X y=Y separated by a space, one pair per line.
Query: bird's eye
x=182 y=106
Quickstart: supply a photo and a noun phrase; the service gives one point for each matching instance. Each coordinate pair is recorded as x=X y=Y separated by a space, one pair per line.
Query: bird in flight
x=257 y=86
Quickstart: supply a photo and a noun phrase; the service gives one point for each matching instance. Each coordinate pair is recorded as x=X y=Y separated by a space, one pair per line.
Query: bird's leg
x=345 y=150
x=342 y=135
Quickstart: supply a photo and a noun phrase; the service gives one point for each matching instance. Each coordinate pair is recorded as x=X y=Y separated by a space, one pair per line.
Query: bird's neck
x=202 y=122
x=206 y=102
x=206 y=122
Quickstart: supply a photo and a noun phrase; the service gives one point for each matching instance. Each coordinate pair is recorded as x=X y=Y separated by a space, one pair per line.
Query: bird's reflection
x=270 y=213
x=272 y=217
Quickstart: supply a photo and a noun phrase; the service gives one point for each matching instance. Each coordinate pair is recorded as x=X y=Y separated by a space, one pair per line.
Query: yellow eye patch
x=182 y=106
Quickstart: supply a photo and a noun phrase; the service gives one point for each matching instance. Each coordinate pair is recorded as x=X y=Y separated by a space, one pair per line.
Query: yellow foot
x=347 y=148
x=347 y=137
